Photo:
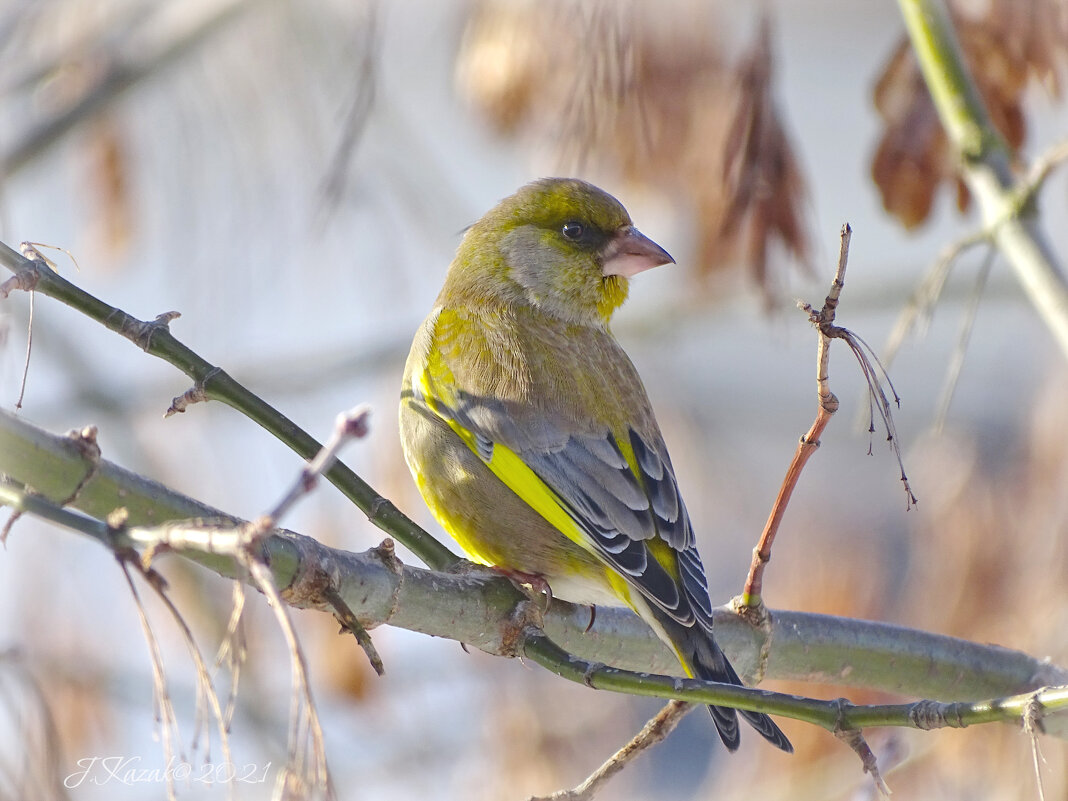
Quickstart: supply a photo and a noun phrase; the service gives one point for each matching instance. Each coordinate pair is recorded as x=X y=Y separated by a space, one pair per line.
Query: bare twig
x=875 y=376
x=120 y=74
x=29 y=351
x=1032 y=724
x=364 y=78
x=986 y=163
x=920 y=305
x=205 y=688
x=232 y=650
x=349 y=622
x=305 y=730
x=855 y=740
x=308 y=769
x=156 y=340
x=878 y=655
x=1040 y=170
x=655 y=731
x=165 y=716
x=956 y=362
x=30 y=251
x=828 y=405
x=353 y=424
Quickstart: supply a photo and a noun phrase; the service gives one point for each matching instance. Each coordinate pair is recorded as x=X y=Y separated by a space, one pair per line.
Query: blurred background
x=293 y=178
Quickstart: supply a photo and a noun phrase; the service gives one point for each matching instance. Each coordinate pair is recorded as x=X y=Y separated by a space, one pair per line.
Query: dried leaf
x=763 y=181
x=109 y=185
x=617 y=87
x=1010 y=43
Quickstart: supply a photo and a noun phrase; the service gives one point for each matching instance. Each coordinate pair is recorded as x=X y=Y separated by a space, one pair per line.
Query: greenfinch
x=531 y=437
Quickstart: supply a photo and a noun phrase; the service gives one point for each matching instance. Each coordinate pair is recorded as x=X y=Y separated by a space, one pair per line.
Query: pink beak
x=629 y=252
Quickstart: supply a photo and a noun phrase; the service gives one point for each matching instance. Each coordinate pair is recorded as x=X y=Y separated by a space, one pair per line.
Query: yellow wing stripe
x=514 y=473
x=524 y=482
x=504 y=463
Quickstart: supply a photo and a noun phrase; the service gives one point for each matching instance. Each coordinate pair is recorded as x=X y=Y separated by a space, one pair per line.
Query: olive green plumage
x=531 y=436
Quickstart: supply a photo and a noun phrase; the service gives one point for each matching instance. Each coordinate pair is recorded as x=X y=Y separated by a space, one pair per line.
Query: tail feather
x=701 y=655
x=726 y=720
x=764 y=725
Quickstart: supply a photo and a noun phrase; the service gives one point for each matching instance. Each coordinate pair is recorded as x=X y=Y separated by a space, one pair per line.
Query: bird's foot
x=535 y=581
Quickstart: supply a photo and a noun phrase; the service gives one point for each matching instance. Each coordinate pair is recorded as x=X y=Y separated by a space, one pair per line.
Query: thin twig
x=205 y=688
x=30 y=251
x=156 y=339
x=1040 y=170
x=305 y=730
x=347 y=618
x=232 y=650
x=1032 y=724
x=655 y=731
x=956 y=362
x=986 y=163
x=165 y=716
x=827 y=406
x=880 y=656
x=920 y=306
x=353 y=424
x=855 y=740
x=364 y=79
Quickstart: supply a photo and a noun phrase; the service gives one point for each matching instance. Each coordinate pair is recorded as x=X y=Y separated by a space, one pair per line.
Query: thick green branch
x=477 y=607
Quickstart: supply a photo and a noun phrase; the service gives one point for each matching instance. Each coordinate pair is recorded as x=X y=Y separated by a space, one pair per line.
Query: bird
x=531 y=436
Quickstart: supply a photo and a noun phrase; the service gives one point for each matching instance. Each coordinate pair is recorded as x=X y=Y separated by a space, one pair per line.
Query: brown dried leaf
x=764 y=184
x=1011 y=42
x=653 y=100
x=910 y=161
x=503 y=66
x=109 y=187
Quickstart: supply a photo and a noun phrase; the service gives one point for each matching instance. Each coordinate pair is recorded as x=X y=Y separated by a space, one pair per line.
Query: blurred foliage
x=1007 y=44
x=625 y=88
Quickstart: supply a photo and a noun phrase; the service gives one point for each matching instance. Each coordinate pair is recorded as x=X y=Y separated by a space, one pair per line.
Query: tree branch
x=487 y=611
x=1007 y=204
x=214 y=383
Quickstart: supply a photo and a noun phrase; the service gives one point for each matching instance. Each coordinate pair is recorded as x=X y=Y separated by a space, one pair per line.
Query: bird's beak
x=629 y=252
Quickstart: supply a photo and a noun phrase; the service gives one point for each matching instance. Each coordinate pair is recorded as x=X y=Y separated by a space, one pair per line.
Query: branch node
x=526 y=617
x=25 y=279
x=590 y=673
x=387 y=555
x=85 y=442
x=927 y=715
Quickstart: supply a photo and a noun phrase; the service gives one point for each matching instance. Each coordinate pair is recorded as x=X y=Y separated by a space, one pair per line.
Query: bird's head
x=561 y=245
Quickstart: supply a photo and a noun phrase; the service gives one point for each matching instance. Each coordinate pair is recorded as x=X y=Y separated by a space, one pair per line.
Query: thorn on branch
x=5 y=532
x=85 y=442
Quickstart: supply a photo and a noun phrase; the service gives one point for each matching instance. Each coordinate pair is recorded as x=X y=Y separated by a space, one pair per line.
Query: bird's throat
x=614 y=289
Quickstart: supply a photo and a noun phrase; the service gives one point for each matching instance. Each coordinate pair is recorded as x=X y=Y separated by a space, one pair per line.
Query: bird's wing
x=615 y=496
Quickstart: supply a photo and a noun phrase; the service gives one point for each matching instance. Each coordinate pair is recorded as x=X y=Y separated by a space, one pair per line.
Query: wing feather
x=619 y=506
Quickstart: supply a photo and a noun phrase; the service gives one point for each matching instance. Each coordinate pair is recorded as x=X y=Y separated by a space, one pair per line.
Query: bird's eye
x=573 y=231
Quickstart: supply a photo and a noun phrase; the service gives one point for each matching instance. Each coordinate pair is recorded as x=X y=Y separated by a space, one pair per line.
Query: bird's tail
x=703 y=659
